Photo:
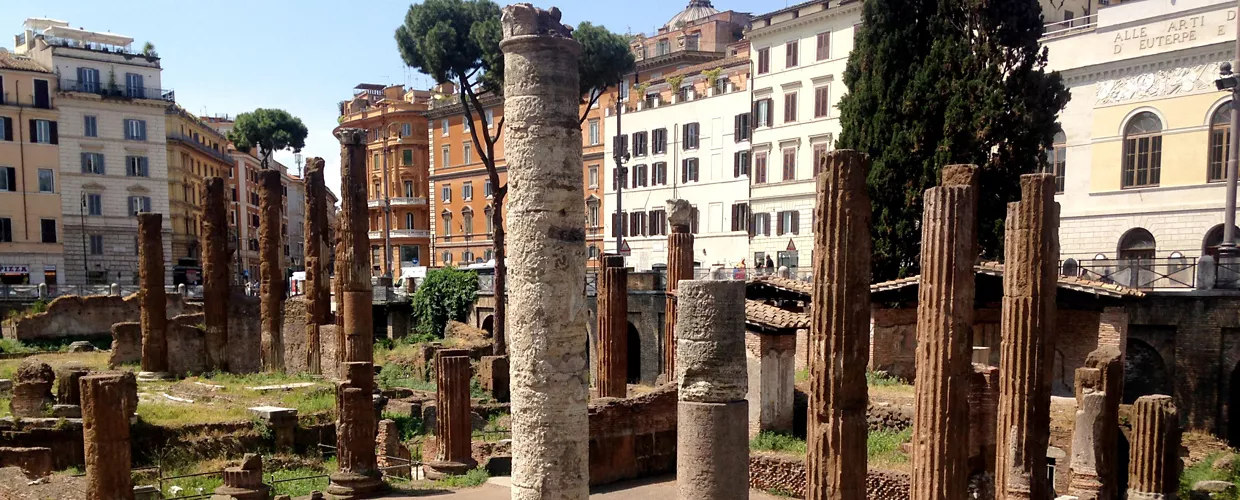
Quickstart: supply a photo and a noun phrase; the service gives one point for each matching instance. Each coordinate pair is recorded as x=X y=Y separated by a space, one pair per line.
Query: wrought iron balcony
x=117 y=91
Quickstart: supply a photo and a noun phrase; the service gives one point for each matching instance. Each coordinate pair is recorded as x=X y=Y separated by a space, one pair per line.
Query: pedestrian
x=770 y=264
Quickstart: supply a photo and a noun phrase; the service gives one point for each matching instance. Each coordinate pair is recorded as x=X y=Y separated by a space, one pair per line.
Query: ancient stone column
x=1025 y=366
x=270 y=270
x=1154 y=463
x=453 y=424
x=358 y=474
x=712 y=435
x=944 y=337
x=547 y=257
x=244 y=481
x=32 y=389
x=215 y=270
x=613 y=328
x=840 y=332
x=679 y=267
x=68 y=385
x=1094 y=466
x=105 y=429
x=318 y=288
x=151 y=294
x=353 y=255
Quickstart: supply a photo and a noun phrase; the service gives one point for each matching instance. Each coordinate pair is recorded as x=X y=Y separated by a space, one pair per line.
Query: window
x=788 y=259
x=94 y=204
x=741 y=131
x=620 y=145
x=1057 y=156
x=684 y=94
x=467 y=222
x=6 y=125
x=637 y=222
x=592 y=213
x=762 y=112
x=819 y=156
x=790 y=164
x=1220 y=142
x=6 y=230
x=691 y=135
x=47 y=180
x=594 y=132
x=740 y=216
x=42 y=94
x=761 y=225
x=593 y=176
x=408 y=189
x=1137 y=243
x=409 y=221
x=447 y=157
x=821 y=103
x=374 y=255
x=48 y=230
x=693 y=220
x=592 y=252
x=137 y=166
x=8 y=179
x=139 y=204
x=467 y=191
x=663 y=47
x=824 y=46
x=764 y=61
x=374 y=162
x=624 y=86
x=489 y=212
x=487 y=189
x=447 y=223
x=447 y=257
x=619 y=225
x=134 y=87
x=658 y=223
x=446 y=193
x=467 y=153
x=740 y=164
x=443 y=125
x=660 y=140
x=790 y=107
x=639 y=176
x=689 y=170
x=658 y=174
x=43 y=132
x=490 y=117
x=135 y=130
x=376 y=193
x=641 y=142
x=406 y=157
x=410 y=253
x=96 y=244
x=90 y=126
x=406 y=129
x=790 y=53
x=759 y=168
x=92 y=163
x=789 y=223
x=1142 y=151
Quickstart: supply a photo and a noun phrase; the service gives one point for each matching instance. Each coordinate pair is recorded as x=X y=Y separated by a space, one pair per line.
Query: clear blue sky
x=230 y=56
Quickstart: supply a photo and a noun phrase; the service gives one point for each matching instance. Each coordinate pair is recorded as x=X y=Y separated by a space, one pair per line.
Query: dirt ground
x=15 y=486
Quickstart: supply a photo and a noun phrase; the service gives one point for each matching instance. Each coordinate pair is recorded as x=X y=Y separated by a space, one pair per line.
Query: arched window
x=1214 y=238
x=1142 y=151
x=490 y=222
x=447 y=257
x=1220 y=140
x=1137 y=243
x=409 y=221
x=1057 y=160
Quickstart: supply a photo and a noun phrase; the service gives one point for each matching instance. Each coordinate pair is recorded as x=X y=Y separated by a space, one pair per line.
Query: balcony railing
x=117 y=91
x=1142 y=274
x=402 y=233
x=1070 y=26
x=219 y=155
x=397 y=202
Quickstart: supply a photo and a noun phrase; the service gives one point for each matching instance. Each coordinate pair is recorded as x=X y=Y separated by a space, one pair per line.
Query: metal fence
x=30 y=293
x=1142 y=274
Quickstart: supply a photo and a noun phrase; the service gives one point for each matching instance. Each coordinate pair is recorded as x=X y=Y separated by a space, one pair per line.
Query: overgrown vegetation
x=882 y=379
x=474 y=477
x=445 y=295
x=783 y=443
x=884 y=447
x=1205 y=471
x=408 y=426
x=398 y=375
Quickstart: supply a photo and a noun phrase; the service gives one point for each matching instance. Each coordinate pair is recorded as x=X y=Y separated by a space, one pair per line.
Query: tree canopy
x=454 y=40
x=444 y=295
x=605 y=59
x=939 y=82
x=269 y=130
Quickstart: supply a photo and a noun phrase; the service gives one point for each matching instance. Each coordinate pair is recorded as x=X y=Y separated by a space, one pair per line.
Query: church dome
x=697 y=9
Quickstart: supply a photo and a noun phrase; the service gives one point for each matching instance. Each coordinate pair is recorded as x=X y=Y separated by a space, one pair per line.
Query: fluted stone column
x=679 y=267
x=613 y=307
x=547 y=256
x=153 y=298
x=353 y=263
x=453 y=424
x=840 y=332
x=358 y=474
x=215 y=270
x=318 y=292
x=712 y=431
x=1025 y=366
x=270 y=270
x=105 y=432
x=1095 y=436
x=944 y=338
x=1154 y=463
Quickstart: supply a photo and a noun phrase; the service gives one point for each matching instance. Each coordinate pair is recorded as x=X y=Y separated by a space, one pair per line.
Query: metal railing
x=219 y=155
x=1142 y=274
x=117 y=90
x=1070 y=26
x=23 y=293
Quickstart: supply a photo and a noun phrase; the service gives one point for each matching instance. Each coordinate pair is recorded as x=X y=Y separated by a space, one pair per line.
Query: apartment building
x=688 y=137
x=112 y=134
x=398 y=158
x=798 y=56
x=31 y=244
x=196 y=151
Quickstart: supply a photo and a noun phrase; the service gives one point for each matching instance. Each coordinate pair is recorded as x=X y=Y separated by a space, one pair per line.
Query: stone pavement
x=660 y=488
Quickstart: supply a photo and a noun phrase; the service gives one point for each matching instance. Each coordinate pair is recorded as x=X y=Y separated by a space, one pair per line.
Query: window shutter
x=100 y=163
x=736 y=128
x=141 y=128
x=736 y=168
x=796 y=222
x=34 y=134
x=8 y=129
x=779 y=224
x=145 y=167
x=11 y=178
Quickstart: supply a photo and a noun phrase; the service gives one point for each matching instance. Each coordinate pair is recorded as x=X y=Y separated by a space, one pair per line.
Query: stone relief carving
x=1160 y=83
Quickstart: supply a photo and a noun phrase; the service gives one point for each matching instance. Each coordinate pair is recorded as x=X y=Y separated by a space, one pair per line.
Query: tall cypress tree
x=939 y=82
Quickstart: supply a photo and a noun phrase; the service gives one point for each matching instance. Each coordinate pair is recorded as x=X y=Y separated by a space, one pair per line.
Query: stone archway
x=488 y=324
x=633 y=372
x=1145 y=372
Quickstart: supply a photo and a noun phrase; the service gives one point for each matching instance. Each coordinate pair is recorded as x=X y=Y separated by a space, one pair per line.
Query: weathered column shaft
x=153 y=298
x=712 y=435
x=357 y=472
x=270 y=270
x=1025 y=365
x=679 y=267
x=983 y=410
x=318 y=292
x=1154 y=466
x=547 y=256
x=215 y=273
x=613 y=308
x=453 y=425
x=1099 y=391
x=353 y=263
x=840 y=331
x=105 y=428
x=944 y=338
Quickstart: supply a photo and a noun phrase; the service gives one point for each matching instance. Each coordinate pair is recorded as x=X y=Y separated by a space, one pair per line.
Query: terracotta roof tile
x=9 y=60
x=791 y=285
x=774 y=317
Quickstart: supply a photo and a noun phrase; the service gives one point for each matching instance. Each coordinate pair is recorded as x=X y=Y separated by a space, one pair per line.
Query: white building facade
x=798 y=56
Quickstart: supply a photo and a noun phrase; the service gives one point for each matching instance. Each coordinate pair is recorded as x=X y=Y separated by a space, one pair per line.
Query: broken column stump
x=32 y=389
x=712 y=435
x=393 y=457
x=453 y=422
x=244 y=481
x=69 y=393
x=358 y=474
x=105 y=428
x=270 y=270
x=546 y=257
x=318 y=287
x=215 y=274
x=840 y=331
x=282 y=422
x=494 y=377
x=1095 y=436
x=1154 y=460
x=613 y=311
x=151 y=295
x=1028 y=319
x=679 y=267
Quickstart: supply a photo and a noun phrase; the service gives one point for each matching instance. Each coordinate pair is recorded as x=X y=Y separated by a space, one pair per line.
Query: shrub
x=445 y=295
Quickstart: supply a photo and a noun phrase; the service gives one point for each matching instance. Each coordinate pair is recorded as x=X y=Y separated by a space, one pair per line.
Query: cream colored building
x=31 y=236
x=195 y=152
x=113 y=157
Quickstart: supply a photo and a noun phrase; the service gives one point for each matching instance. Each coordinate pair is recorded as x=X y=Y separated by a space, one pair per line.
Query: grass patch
x=783 y=443
x=1205 y=471
x=882 y=379
x=179 y=414
x=319 y=401
x=474 y=477
x=4 y=406
x=301 y=487
x=802 y=376
x=883 y=447
x=15 y=346
x=399 y=375
x=96 y=361
x=780 y=492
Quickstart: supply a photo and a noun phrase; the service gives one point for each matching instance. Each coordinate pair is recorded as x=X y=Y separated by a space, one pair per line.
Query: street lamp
x=1229 y=81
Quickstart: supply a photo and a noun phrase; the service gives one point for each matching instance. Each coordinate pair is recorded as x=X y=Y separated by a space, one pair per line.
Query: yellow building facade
x=195 y=151
x=31 y=229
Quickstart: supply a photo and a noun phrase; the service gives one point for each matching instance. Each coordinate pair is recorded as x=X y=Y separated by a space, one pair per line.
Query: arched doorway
x=488 y=324
x=1136 y=253
x=1145 y=372
x=633 y=373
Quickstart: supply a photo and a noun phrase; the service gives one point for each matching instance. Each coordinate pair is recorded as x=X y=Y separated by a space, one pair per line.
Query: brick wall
x=786 y=475
x=634 y=437
x=893 y=341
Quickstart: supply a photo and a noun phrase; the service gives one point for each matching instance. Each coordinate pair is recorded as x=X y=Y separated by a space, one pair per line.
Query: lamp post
x=621 y=154
x=1229 y=81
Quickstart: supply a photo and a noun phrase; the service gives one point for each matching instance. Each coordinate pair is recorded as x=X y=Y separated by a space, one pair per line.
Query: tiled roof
x=9 y=60
x=774 y=317
x=786 y=284
x=719 y=63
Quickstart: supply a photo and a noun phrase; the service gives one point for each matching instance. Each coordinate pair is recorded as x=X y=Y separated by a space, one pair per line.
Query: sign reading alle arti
x=1171 y=34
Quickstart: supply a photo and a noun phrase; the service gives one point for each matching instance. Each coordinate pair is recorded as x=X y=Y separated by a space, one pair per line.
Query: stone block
x=34 y=462
x=494 y=377
x=126 y=344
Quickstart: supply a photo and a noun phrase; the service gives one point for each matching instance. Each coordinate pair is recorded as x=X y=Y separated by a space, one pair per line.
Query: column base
x=149 y=376
x=440 y=469
x=230 y=493
x=712 y=443
x=350 y=485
